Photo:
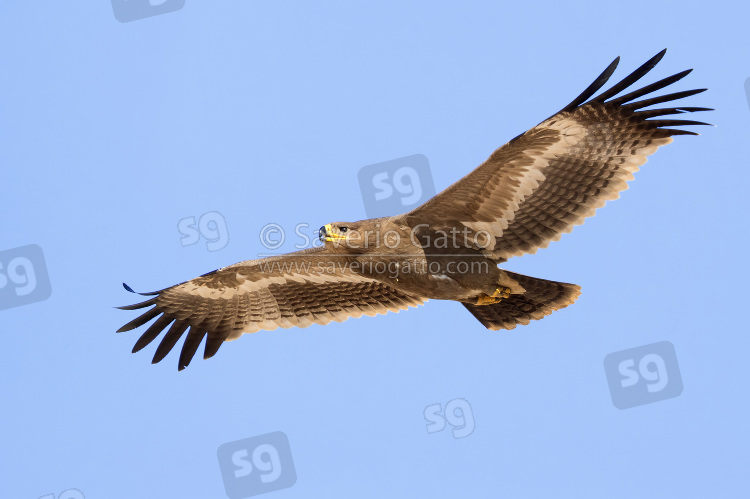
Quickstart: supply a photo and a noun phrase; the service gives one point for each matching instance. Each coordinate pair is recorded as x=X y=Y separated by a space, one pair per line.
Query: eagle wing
x=298 y=289
x=545 y=181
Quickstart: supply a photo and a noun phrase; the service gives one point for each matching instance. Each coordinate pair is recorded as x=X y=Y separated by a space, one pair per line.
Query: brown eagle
x=525 y=195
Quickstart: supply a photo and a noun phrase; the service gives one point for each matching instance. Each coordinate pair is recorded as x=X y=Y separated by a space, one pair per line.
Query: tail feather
x=542 y=297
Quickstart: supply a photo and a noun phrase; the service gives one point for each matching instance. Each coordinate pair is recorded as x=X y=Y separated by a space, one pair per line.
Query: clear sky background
x=264 y=112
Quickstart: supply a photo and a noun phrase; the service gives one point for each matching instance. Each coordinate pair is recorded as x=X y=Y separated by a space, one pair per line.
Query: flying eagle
x=525 y=195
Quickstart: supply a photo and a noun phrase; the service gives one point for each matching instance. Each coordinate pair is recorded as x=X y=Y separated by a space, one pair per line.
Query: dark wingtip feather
x=152 y=332
x=651 y=113
x=213 y=343
x=661 y=123
x=140 y=320
x=192 y=342
x=136 y=292
x=594 y=87
x=664 y=82
x=625 y=100
x=136 y=306
x=662 y=98
x=169 y=340
x=697 y=109
x=671 y=132
x=631 y=78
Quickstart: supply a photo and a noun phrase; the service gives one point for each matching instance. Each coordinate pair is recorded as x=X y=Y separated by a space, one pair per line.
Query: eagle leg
x=495 y=297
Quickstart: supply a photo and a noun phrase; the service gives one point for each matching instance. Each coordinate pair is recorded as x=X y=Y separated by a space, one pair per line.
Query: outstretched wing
x=544 y=182
x=298 y=289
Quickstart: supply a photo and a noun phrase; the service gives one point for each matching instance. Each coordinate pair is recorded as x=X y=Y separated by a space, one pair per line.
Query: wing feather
x=169 y=340
x=152 y=332
x=542 y=183
x=192 y=342
x=295 y=290
x=213 y=343
x=663 y=98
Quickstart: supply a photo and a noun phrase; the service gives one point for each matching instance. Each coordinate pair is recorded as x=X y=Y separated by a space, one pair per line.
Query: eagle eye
x=343 y=229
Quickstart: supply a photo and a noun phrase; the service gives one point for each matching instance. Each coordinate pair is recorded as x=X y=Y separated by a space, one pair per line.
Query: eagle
x=525 y=195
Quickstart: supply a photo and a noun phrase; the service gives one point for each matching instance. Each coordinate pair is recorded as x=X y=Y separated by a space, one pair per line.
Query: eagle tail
x=542 y=297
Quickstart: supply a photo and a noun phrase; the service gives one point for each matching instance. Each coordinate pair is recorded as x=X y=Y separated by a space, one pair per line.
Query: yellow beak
x=332 y=236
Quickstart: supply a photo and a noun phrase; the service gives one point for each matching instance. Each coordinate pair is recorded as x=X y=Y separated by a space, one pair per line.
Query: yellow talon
x=486 y=300
x=497 y=296
x=501 y=293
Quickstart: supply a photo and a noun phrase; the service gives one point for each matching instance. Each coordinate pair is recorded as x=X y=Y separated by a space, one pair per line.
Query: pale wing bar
x=596 y=167
x=293 y=302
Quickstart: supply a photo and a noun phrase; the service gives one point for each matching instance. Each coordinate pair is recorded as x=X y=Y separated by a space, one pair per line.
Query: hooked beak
x=326 y=234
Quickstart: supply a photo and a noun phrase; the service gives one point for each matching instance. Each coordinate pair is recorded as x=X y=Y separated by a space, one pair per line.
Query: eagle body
x=525 y=195
x=426 y=261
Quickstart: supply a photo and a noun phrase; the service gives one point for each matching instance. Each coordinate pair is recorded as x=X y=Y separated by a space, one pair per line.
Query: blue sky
x=113 y=133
